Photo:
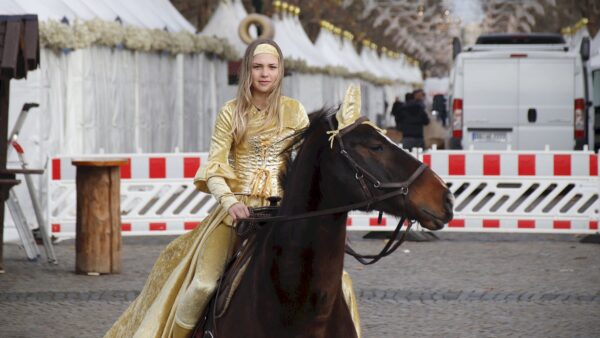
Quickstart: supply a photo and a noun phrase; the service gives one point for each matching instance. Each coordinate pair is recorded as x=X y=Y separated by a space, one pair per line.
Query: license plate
x=490 y=136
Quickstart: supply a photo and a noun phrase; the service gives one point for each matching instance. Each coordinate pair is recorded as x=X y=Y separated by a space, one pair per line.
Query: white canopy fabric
x=224 y=23
x=141 y=13
x=292 y=39
x=11 y=7
x=297 y=32
x=330 y=47
x=114 y=100
x=353 y=61
x=369 y=59
x=394 y=68
x=289 y=46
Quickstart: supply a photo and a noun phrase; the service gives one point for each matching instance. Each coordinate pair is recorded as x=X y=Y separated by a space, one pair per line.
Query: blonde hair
x=244 y=94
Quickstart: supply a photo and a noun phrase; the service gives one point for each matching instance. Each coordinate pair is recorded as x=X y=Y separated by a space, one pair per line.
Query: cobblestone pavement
x=463 y=285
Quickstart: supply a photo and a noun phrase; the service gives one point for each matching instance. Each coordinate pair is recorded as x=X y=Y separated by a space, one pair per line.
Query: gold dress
x=185 y=274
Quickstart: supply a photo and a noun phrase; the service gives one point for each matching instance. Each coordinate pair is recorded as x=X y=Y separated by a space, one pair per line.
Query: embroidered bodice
x=251 y=167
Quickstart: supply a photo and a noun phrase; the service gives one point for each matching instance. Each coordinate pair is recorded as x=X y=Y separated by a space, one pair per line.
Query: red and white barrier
x=504 y=191
x=520 y=191
x=523 y=225
x=149 y=166
x=512 y=163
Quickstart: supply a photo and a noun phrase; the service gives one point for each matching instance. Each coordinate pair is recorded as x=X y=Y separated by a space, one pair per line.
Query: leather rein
x=363 y=177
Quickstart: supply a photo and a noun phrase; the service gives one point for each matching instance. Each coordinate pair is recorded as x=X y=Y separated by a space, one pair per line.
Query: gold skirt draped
x=152 y=313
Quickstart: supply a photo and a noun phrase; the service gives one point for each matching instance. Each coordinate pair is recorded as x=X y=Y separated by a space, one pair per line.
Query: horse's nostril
x=449 y=198
x=449 y=201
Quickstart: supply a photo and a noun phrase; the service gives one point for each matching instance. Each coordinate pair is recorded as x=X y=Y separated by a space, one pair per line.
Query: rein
x=361 y=173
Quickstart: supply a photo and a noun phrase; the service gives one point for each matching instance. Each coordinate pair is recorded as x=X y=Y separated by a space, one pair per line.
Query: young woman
x=242 y=171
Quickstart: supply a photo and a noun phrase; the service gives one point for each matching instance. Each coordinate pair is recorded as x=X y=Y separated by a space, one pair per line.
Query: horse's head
x=359 y=163
x=427 y=199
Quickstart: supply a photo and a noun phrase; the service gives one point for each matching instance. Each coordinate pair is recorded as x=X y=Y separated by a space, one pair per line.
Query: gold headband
x=265 y=48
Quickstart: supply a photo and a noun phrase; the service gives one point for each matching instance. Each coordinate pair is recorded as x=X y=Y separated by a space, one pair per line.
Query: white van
x=522 y=90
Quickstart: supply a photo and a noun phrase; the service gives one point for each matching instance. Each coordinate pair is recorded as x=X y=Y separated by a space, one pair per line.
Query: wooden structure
x=19 y=53
x=98 y=229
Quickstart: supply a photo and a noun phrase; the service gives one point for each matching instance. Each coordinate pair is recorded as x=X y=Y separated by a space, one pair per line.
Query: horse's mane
x=316 y=119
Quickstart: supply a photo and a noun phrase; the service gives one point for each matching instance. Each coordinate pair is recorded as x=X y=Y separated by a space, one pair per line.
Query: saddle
x=245 y=246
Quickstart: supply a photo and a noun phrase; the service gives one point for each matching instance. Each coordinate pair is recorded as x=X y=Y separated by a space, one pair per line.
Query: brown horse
x=292 y=287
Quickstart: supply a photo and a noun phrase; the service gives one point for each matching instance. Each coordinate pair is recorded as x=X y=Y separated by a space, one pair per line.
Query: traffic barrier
x=504 y=191
x=520 y=191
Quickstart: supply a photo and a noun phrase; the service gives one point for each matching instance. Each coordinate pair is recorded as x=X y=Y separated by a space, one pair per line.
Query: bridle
x=362 y=176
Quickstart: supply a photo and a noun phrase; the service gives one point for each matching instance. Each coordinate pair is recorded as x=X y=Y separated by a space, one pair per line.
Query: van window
x=519 y=39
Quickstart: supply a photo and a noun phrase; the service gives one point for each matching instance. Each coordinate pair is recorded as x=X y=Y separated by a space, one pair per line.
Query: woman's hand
x=238 y=210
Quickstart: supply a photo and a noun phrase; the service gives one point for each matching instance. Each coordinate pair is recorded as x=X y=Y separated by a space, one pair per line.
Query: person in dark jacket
x=439 y=105
x=411 y=119
x=396 y=108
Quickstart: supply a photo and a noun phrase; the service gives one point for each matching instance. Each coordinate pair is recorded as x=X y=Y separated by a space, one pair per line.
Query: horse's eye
x=376 y=147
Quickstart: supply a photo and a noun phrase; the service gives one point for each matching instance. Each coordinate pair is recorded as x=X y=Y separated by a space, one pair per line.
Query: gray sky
x=468 y=10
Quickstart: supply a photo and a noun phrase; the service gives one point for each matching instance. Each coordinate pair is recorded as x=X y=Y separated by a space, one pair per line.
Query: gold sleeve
x=302 y=117
x=294 y=114
x=221 y=191
x=218 y=155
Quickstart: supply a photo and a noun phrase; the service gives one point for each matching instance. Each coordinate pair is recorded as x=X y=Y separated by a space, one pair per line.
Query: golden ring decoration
x=262 y=21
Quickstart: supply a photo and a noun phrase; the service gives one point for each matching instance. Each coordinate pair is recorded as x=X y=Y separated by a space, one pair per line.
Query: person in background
x=439 y=105
x=396 y=108
x=411 y=119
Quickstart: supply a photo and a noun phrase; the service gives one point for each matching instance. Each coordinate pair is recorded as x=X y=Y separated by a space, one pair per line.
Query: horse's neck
x=305 y=258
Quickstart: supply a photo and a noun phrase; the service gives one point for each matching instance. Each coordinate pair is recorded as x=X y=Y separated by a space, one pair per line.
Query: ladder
x=31 y=249
x=14 y=206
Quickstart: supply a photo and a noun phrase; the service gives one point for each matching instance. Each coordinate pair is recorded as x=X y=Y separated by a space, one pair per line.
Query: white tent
x=313 y=90
x=330 y=47
x=290 y=47
x=351 y=58
x=301 y=40
x=148 y=14
x=102 y=99
x=307 y=88
x=131 y=97
x=224 y=23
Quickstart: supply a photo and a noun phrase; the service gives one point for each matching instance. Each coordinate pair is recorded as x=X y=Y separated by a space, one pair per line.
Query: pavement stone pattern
x=463 y=285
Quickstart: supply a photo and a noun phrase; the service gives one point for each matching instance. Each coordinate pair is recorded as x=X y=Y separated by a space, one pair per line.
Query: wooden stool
x=98 y=231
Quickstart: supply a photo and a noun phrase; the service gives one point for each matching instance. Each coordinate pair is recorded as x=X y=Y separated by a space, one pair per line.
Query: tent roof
x=221 y=24
x=142 y=13
x=330 y=47
x=294 y=42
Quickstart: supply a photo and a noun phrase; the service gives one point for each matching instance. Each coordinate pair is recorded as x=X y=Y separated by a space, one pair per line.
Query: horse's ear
x=350 y=109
